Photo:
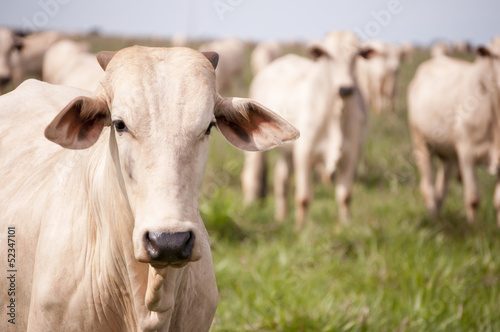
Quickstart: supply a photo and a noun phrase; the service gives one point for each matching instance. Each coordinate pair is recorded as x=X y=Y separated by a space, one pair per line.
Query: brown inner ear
x=79 y=124
x=252 y=129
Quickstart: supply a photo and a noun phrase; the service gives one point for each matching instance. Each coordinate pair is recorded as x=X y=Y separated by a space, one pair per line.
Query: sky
x=417 y=21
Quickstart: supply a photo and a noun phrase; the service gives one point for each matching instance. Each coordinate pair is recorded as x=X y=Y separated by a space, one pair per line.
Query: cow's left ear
x=249 y=126
x=79 y=124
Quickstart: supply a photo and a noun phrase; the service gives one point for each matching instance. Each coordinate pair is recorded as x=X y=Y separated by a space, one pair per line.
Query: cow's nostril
x=170 y=248
x=346 y=91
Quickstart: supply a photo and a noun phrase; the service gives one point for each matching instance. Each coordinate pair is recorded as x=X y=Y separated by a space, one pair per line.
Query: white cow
x=321 y=99
x=232 y=53
x=377 y=76
x=263 y=54
x=108 y=235
x=29 y=61
x=9 y=43
x=453 y=113
x=69 y=63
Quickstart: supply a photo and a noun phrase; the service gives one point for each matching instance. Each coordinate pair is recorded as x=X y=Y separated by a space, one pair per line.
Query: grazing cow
x=9 y=43
x=263 y=54
x=108 y=231
x=232 y=53
x=322 y=100
x=29 y=61
x=453 y=113
x=377 y=76
x=69 y=63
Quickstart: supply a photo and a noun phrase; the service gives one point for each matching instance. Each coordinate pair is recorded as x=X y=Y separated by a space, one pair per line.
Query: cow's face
x=161 y=105
x=8 y=44
x=339 y=52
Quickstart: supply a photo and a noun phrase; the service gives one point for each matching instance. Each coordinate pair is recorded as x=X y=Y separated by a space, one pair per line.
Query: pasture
x=390 y=269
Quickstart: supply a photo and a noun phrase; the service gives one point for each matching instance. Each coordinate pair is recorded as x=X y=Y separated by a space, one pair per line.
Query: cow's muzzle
x=346 y=91
x=172 y=249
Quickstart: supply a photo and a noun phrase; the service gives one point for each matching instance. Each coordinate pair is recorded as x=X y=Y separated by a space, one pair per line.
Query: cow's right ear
x=79 y=124
x=250 y=126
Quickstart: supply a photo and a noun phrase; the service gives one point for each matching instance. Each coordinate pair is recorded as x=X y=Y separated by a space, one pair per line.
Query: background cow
x=263 y=54
x=69 y=63
x=320 y=97
x=28 y=62
x=109 y=236
x=9 y=43
x=232 y=55
x=377 y=75
x=453 y=113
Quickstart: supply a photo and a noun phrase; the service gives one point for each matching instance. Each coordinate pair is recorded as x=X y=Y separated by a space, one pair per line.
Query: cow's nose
x=170 y=248
x=4 y=80
x=346 y=91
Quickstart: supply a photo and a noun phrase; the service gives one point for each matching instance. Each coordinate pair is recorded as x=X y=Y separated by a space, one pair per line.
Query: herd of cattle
x=118 y=244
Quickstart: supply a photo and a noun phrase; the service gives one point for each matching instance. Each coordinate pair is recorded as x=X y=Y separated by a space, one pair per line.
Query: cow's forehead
x=342 y=44
x=148 y=60
x=156 y=85
x=158 y=73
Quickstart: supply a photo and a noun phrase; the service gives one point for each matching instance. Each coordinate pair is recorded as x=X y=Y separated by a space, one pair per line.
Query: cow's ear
x=316 y=51
x=367 y=53
x=249 y=126
x=79 y=124
x=483 y=51
x=104 y=57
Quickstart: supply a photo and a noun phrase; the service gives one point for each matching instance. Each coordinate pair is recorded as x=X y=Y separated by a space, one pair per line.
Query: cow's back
x=27 y=160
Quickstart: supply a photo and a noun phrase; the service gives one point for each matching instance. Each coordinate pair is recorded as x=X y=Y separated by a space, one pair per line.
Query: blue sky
x=420 y=21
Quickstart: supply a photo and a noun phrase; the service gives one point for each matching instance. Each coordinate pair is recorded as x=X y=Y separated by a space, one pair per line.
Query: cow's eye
x=120 y=126
x=212 y=124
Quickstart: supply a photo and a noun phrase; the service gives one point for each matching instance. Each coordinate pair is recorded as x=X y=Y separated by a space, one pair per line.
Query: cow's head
x=161 y=105
x=338 y=53
x=9 y=43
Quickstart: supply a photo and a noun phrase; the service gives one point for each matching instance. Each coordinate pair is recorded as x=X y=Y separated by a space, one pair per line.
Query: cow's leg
x=442 y=179
x=303 y=190
x=281 y=185
x=345 y=179
x=423 y=159
x=253 y=177
x=496 y=199
x=467 y=171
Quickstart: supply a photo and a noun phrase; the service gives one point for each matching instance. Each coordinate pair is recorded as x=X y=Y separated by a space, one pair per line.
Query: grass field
x=390 y=269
